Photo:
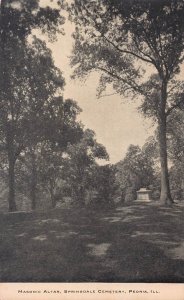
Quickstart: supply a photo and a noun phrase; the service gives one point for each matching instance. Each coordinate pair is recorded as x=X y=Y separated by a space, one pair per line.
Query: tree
x=59 y=128
x=103 y=183
x=81 y=162
x=119 y=39
x=45 y=139
x=34 y=82
x=17 y=20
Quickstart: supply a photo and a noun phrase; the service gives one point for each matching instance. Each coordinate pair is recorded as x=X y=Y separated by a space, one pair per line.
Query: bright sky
x=115 y=121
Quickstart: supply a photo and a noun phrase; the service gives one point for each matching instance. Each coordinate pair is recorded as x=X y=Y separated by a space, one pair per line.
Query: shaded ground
x=135 y=243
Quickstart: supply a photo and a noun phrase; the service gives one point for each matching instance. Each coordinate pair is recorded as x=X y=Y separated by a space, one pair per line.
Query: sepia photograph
x=91 y=147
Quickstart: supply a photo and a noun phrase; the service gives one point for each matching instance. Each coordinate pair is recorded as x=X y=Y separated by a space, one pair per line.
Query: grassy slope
x=136 y=243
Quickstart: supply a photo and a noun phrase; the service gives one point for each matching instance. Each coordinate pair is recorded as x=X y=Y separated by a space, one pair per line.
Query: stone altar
x=144 y=195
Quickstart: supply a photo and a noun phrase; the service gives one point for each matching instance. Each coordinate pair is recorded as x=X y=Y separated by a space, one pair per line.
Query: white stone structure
x=144 y=195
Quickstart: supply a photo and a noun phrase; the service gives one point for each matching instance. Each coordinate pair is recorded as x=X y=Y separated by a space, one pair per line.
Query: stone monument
x=144 y=195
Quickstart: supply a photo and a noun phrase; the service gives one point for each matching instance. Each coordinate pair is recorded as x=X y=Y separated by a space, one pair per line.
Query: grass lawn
x=133 y=243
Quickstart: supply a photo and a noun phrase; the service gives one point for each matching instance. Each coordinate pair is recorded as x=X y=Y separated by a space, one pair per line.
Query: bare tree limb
x=107 y=95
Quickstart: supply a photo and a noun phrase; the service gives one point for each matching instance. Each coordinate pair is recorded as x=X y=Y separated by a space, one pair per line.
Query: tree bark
x=165 y=195
x=11 y=179
x=52 y=197
x=33 y=182
x=11 y=166
x=5 y=96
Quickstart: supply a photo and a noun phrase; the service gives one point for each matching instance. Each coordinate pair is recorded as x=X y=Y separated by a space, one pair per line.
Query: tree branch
x=107 y=95
x=150 y=60
x=150 y=45
x=18 y=151
x=135 y=87
x=127 y=51
x=174 y=106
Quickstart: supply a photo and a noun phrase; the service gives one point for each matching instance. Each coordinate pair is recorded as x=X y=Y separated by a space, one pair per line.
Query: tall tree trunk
x=5 y=92
x=165 y=195
x=33 y=184
x=81 y=195
x=11 y=179
x=11 y=165
x=53 y=201
x=52 y=197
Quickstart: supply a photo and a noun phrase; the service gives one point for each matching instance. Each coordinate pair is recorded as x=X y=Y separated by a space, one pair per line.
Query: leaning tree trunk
x=165 y=195
x=11 y=180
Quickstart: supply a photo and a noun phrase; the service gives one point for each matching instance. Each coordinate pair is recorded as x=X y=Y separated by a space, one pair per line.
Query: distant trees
x=119 y=39
x=104 y=186
x=59 y=128
x=80 y=165
x=140 y=167
x=136 y=170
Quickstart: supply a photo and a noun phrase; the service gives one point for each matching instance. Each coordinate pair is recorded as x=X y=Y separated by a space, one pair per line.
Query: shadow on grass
x=135 y=243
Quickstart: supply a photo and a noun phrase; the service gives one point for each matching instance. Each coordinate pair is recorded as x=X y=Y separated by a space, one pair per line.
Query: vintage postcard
x=92 y=149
